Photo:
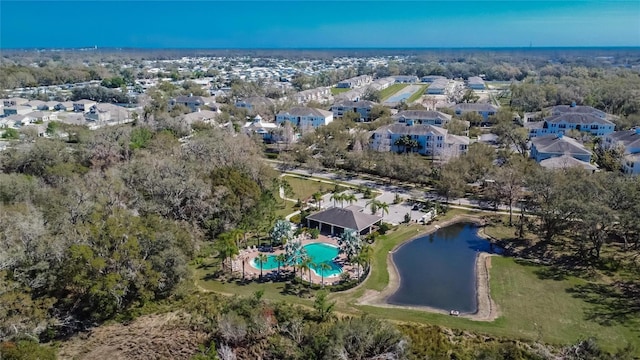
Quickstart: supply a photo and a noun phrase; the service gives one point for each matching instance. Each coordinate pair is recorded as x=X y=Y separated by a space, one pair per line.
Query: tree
x=470 y=96
x=317 y=198
x=305 y=265
x=473 y=118
x=282 y=232
x=364 y=257
x=322 y=267
x=281 y=259
x=227 y=246
x=350 y=243
x=323 y=307
x=294 y=252
x=350 y=198
x=337 y=197
x=261 y=259
x=509 y=181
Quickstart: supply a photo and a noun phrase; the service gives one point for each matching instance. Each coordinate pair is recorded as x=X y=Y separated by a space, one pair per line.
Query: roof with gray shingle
x=475 y=107
x=578 y=118
x=628 y=138
x=306 y=111
x=577 y=109
x=554 y=144
x=566 y=161
x=422 y=115
x=347 y=218
x=403 y=129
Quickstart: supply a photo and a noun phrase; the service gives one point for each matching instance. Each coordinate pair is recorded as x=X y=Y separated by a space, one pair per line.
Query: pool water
x=318 y=252
x=438 y=270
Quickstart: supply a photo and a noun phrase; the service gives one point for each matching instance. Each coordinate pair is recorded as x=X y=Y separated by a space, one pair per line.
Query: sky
x=318 y=24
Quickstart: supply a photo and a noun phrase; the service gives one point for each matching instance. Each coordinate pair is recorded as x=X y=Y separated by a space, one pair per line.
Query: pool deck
x=487 y=309
x=254 y=273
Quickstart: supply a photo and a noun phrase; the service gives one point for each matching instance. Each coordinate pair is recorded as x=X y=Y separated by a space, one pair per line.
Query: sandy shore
x=487 y=309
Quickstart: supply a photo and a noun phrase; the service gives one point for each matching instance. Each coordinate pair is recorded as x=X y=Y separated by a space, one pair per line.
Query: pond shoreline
x=487 y=309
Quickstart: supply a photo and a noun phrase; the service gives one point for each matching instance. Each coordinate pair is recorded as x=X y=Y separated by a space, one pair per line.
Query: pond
x=438 y=270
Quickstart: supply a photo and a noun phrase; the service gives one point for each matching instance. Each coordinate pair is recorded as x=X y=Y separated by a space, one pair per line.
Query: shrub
x=383 y=228
x=296 y=219
x=314 y=233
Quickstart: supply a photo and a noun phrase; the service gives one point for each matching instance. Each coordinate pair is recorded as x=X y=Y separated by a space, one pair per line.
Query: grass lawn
x=285 y=209
x=336 y=91
x=386 y=93
x=416 y=95
x=304 y=188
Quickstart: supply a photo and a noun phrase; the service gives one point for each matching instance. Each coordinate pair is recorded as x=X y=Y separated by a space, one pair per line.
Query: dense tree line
x=108 y=220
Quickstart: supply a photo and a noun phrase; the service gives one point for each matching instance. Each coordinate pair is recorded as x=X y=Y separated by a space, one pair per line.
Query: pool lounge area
x=319 y=252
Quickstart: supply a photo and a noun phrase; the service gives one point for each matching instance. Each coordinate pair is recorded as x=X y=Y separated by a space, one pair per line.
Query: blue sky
x=318 y=24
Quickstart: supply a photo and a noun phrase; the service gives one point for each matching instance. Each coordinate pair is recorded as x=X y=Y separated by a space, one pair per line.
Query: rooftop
x=347 y=218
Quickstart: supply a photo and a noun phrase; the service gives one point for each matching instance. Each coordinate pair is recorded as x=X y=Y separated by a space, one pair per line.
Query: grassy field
x=336 y=91
x=386 y=93
x=416 y=95
x=304 y=188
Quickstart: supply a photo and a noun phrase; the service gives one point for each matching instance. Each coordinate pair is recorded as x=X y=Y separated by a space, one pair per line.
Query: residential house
x=192 y=102
x=565 y=162
x=42 y=116
x=206 y=116
x=37 y=105
x=255 y=103
x=422 y=117
x=483 y=109
x=318 y=94
x=305 y=117
x=577 y=109
x=83 y=105
x=476 y=83
x=432 y=78
x=15 y=121
x=362 y=107
x=556 y=145
x=438 y=86
x=585 y=122
x=628 y=140
x=430 y=140
x=108 y=113
x=13 y=102
x=17 y=110
x=64 y=106
x=355 y=82
x=265 y=129
x=405 y=79
x=382 y=83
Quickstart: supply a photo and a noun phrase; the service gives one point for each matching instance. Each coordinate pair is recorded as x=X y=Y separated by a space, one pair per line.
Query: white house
x=422 y=117
x=476 y=83
x=192 y=102
x=629 y=140
x=438 y=86
x=265 y=129
x=430 y=140
x=572 y=117
x=556 y=145
x=355 y=82
x=405 y=79
x=305 y=117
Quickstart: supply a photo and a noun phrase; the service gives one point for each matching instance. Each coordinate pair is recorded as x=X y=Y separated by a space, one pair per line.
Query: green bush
x=296 y=219
x=315 y=233
x=383 y=228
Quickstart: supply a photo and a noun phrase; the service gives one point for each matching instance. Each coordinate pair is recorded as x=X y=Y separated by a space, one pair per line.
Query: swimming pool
x=318 y=252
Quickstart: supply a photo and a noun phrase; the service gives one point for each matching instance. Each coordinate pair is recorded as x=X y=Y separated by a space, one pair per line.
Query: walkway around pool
x=252 y=252
x=487 y=309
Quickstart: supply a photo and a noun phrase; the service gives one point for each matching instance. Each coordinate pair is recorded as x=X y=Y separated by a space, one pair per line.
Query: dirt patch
x=487 y=309
x=162 y=336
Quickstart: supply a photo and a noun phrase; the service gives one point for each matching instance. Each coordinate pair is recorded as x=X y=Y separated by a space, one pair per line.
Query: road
x=388 y=193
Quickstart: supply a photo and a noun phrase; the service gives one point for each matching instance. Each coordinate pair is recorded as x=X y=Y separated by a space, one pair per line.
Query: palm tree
x=373 y=205
x=317 y=197
x=364 y=257
x=294 y=252
x=350 y=243
x=384 y=207
x=337 y=197
x=350 y=198
x=322 y=267
x=261 y=259
x=227 y=247
x=305 y=264
x=281 y=258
